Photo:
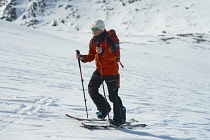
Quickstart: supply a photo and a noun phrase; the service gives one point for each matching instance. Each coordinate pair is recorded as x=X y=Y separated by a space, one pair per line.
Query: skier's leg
x=119 y=110
x=97 y=98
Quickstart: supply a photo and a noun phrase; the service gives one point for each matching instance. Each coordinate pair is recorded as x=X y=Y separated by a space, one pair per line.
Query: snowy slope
x=127 y=16
x=165 y=84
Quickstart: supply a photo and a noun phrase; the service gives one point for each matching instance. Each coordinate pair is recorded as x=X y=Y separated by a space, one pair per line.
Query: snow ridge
x=127 y=16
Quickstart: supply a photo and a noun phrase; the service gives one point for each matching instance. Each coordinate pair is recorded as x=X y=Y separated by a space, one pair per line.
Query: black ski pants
x=99 y=100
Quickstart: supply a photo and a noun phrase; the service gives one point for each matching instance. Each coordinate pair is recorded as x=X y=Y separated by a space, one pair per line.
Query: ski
x=83 y=119
x=93 y=119
x=109 y=126
x=104 y=124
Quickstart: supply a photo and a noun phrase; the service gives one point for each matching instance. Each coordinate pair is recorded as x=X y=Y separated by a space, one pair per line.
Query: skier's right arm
x=79 y=56
x=91 y=55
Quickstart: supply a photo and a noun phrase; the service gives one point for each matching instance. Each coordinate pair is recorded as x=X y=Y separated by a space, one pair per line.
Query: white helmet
x=98 y=24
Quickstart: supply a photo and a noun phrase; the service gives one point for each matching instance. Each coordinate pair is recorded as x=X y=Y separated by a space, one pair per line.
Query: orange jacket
x=106 y=63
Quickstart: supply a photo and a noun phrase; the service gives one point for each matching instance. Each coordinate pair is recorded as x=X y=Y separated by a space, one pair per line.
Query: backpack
x=113 y=36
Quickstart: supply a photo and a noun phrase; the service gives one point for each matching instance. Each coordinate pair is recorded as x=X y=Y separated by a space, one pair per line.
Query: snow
x=165 y=83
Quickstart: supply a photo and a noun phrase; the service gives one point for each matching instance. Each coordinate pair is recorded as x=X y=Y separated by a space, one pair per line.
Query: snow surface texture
x=165 y=82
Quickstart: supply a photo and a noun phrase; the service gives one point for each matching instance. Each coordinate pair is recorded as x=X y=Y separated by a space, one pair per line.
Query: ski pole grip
x=78 y=52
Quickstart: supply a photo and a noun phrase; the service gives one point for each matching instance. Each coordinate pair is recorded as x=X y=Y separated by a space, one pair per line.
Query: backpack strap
x=111 y=43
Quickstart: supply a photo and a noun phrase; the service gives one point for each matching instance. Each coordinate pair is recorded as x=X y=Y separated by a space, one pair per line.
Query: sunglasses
x=94 y=29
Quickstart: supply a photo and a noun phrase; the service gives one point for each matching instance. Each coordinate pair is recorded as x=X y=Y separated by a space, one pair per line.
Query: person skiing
x=102 y=49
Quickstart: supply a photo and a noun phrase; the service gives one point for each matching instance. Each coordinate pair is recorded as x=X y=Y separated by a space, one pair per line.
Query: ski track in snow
x=165 y=88
x=26 y=107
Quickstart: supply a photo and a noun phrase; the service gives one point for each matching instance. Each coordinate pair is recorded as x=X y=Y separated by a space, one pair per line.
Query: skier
x=102 y=49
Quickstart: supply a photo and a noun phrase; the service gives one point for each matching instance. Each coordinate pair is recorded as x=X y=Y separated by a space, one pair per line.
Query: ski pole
x=80 y=69
x=103 y=85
